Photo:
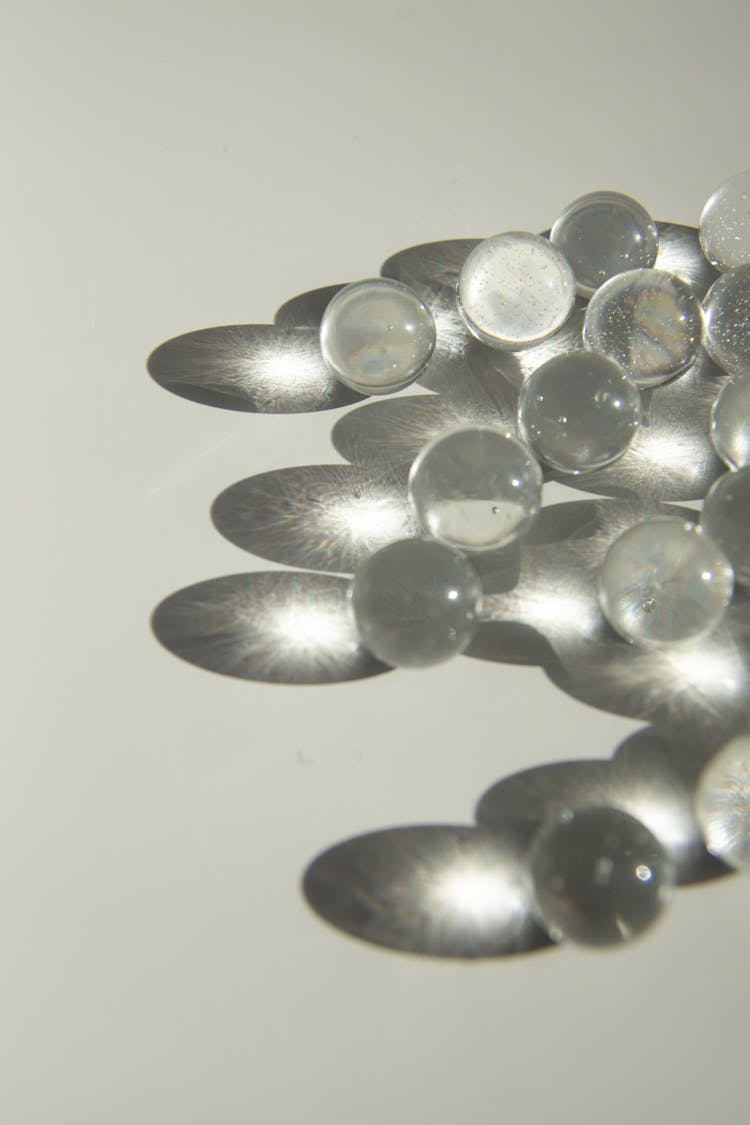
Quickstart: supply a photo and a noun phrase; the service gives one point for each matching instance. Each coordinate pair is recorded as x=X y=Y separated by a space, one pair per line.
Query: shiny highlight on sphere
x=726 y=518
x=725 y=224
x=722 y=804
x=605 y=233
x=726 y=308
x=730 y=422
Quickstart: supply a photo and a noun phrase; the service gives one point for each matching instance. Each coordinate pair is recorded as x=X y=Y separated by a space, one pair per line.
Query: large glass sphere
x=730 y=422
x=600 y=877
x=415 y=603
x=579 y=411
x=376 y=336
x=664 y=581
x=726 y=518
x=649 y=321
x=475 y=488
x=725 y=224
x=722 y=803
x=602 y=234
x=727 y=311
x=515 y=289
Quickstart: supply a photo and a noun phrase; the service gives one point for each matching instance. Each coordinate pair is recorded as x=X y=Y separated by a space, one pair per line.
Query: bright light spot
x=712 y=672
x=643 y=872
x=370 y=522
x=479 y=895
x=453 y=595
x=549 y=608
x=312 y=629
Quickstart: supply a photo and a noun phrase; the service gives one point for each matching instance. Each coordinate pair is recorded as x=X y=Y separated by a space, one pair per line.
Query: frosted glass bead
x=726 y=518
x=603 y=234
x=722 y=803
x=376 y=336
x=475 y=488
x=515 y=289
x=727 y=311
x=649 y=321
x=579 y=411
x=664 y=581
x=730 y=422
x=415 y=603
x=725 y=224
x=600 y=877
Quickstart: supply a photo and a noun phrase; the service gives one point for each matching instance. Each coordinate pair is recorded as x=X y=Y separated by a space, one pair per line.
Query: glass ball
x=579 y=411
x=600 y=877
x=475 y=488
x=376 y=336
x=726 y=308
x=515 y=289
x=725 y=224
x=664 y=581
x=726 y=518
x=602 y=234
x=730 y=422
x=415 y=603
x=722 y=803
x=649 y=321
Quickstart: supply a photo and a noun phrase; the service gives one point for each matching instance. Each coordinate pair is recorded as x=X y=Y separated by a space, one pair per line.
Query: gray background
x=173 y=166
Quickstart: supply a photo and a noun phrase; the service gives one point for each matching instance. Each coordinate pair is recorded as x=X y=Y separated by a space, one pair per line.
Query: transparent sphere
x=415 y=603
x=649 y=321
x=722 y=803
x=475 y=488
x=603 y=234
x=730 y=422
x=515 y=289
x=726 y=308
x=376 y=336
x=579 y=411
x=600 y=876
x=664 y=581
x=726 y=518
x=725 y=224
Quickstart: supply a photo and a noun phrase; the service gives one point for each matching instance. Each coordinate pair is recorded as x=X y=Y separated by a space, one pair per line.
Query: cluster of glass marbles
x=664 y=581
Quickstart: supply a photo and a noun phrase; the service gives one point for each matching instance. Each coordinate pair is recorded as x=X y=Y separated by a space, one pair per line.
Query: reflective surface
x=727 y=313
x=602 y=234
x=723 y=804
x=725 y=223
x=730 y=421
x=726 y=518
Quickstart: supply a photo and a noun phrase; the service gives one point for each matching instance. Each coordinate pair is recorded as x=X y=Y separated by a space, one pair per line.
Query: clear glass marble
x=726 y=308
x=579 y=411
x=415 y=603
x=730 y=422
x=600 y=877
x=515 y=289
x=664 y=581
x=649 y=321
x=722 y=803
x=602 y=234
x=725 y=224
x=726 y=518
x=475 y=488
x=376 y=336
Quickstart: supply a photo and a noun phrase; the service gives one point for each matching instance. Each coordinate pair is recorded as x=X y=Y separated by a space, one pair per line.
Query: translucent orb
x=600 y=877
x=415 y=603
x=603 y=234
x=722 y=803
x=730 y=422
x=475 y=488
x=726 y=518
x=664 y=581
x=376 y=336
x=649 y=321
x=579 y=411
x=515 y=289
x=727 y=311
x=725 y=224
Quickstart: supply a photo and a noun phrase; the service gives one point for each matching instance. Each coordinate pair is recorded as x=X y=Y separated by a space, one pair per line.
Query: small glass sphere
x=475 y=488
x=727 y=311
x=726 y=518
x=722 y=803
x=649 y=321
x=415 y=603
x=600 y=876
x=664 y=581
x=515 y=289
x=376 y=336
x=730 y=422
x=725 y=224
x=579 y=411
x=605 y=233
